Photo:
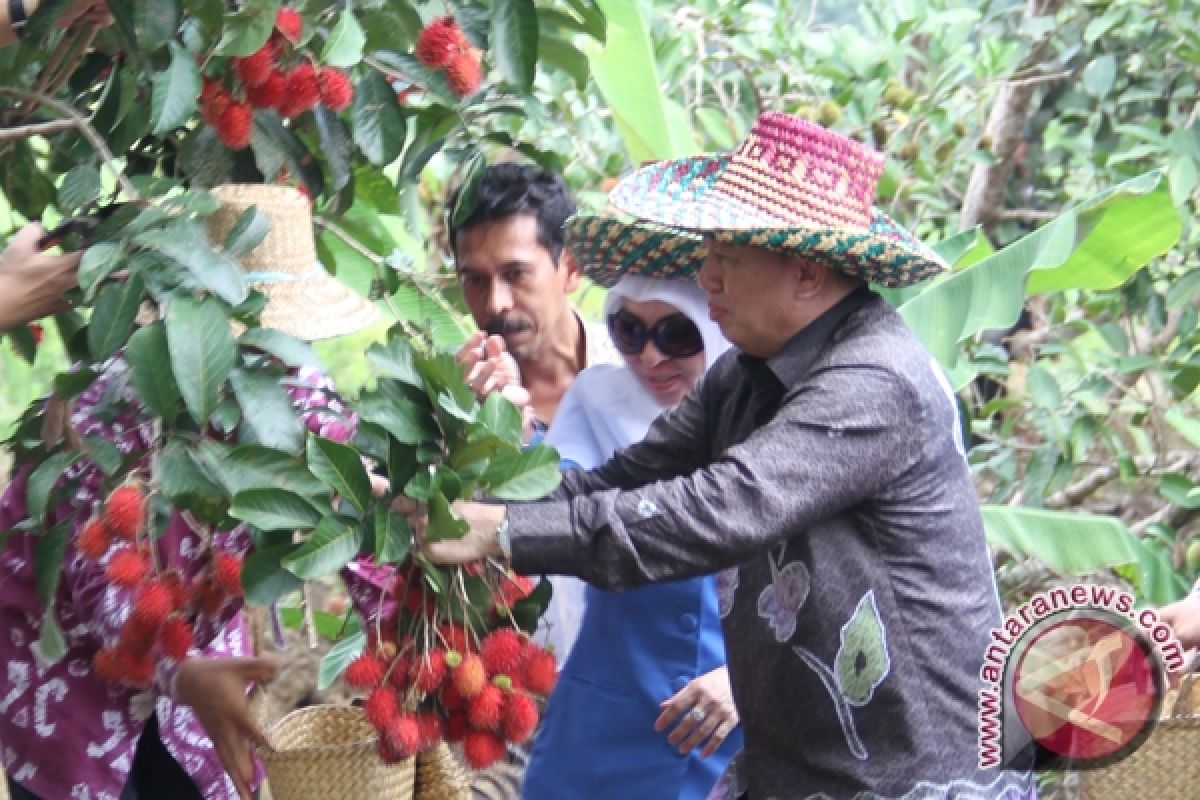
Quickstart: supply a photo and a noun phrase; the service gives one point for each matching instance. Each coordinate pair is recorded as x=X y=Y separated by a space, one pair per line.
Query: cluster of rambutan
x=442 y=45
x=441 y=681
x=159 y=622
x=278 y=76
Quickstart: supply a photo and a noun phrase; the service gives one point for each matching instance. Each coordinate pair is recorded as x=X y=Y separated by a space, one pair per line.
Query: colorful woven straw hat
x=793 y=187
x=607 y=248
x=303 y=299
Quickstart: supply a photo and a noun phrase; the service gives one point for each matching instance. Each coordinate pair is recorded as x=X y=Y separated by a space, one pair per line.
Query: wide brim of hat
x=316 y=306
x=684 y=194
x=607 y=248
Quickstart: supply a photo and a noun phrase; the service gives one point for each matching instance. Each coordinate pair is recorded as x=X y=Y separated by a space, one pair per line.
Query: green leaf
x=150 y=362
x=626 y=72
x=186 y=243
x=379 y=125
x=340 y=467
x=404 y=420
x=1099 y=75
x=264 y=578
x=80 y=186
x=267 y=410
x=103 y=453
x=443 y=522
x=154 y=23
x=561 y=54
x=515 y=41
x=395 y=359
x=344 y=47
x=338 y=658
x=51 y=643
x=287 y=348
x=247 y=233
x=393 y=537
x=526 y=475
x=42 y=480
x=247 y=31
x=274 y=510
x=203 y=353
x=48 y=560
x=333 y=545
x=99 y=261
x=1180 y=490
x=335 y=146
x=188 y=486
x=173 y=99
x=862 y=660
x=502 y=418
x=468 y=192
x=1097 y=245
x=112 y=317
x=253 y=466
x=1187 y=427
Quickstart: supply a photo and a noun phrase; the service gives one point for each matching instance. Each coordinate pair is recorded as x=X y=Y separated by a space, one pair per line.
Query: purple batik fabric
x=65 y=733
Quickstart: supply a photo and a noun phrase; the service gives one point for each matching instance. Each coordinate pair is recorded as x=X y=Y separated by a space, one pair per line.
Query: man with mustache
x=516 y=279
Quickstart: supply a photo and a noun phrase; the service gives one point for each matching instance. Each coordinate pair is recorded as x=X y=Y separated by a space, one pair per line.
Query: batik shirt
x=833 y=476
x=65 y=733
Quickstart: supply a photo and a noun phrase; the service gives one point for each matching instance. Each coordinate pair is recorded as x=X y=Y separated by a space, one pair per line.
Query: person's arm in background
x=95 y=10
x=32 y=283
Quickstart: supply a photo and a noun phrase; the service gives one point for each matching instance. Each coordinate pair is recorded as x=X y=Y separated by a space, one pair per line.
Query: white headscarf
x=607 y=408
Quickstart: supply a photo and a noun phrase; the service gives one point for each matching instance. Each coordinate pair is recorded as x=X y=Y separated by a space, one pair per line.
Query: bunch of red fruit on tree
x=279 y=76
x=430 y=679
x=159 y=623
x=442 y=45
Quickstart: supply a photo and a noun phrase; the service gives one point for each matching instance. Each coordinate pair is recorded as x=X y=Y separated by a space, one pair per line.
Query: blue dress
x=634 y=650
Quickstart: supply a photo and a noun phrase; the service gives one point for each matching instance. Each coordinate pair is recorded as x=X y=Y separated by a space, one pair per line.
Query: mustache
x=499 y=326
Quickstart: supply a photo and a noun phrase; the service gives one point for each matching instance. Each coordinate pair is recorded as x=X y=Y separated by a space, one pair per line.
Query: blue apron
x=635 y=649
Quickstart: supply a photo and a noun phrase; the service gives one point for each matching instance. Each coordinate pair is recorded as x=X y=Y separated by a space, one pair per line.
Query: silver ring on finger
x=697 y=715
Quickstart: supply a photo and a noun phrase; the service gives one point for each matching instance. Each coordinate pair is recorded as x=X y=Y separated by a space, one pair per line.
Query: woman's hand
x=215 y=688
x=705 y=713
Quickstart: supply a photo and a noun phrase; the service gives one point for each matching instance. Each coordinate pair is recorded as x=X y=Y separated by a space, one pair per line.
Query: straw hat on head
x=607 y=248
x=791 y=187
x=303 y=299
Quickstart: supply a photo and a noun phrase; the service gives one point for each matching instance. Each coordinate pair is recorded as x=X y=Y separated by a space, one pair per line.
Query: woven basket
x=328 y=752
x=1166 y=766
x=440 y=776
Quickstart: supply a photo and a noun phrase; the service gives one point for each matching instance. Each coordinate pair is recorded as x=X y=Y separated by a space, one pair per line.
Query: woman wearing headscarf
x=643 y=707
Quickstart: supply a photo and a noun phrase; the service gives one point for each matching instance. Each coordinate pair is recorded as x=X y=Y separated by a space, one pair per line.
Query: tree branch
x=85 y=129
x=37 y=129
x=1005 y=127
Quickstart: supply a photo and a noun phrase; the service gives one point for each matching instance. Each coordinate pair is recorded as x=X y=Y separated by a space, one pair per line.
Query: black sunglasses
x=675 y=336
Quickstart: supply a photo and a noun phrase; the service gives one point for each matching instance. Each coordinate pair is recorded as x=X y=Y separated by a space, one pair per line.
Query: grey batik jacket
x=829 y=483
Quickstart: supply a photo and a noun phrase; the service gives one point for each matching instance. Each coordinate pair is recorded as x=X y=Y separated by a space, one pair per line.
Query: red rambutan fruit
x=365 y=672
x=124 y=511
x=336 y=90
x=482 y=748
x=94 y=540
x=440 y=42
x=126 y=568
x=176 y=638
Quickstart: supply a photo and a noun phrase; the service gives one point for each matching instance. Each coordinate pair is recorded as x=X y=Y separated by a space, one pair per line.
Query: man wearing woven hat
x=821 y=458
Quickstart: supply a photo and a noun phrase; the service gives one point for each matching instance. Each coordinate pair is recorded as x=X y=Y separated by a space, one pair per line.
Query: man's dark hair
x=511 y=188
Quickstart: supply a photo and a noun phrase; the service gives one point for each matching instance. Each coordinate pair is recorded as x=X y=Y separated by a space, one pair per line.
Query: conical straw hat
x=303 y=298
